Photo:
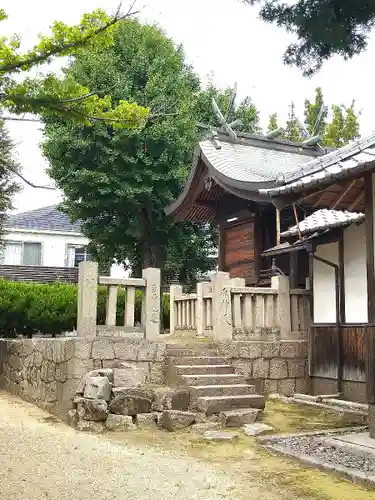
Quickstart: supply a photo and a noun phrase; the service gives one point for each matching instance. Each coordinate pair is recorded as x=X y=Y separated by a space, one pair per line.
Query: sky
x=222 y=38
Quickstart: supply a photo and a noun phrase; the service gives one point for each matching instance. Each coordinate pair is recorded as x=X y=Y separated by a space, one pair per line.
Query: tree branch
x=14 y=171
x=71 y=45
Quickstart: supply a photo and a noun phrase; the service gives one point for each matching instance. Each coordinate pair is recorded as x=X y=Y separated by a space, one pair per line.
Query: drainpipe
x=337 y=324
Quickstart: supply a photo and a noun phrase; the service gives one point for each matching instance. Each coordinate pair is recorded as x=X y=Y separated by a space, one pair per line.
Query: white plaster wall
x=54 y=246
x=355 y=276
x=324 y=284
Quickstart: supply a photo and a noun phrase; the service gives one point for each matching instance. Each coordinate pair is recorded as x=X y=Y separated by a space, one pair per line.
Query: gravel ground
x=43 y=458
x=337 y=454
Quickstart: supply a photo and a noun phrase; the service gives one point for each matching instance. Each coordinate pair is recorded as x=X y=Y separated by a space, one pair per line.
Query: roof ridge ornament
x=213 y=132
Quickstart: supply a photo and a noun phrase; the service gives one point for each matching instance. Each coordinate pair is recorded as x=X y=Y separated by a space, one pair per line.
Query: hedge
x=27 y=308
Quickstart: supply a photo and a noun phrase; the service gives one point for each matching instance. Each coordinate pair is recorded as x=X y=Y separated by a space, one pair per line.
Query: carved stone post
x=283 y=304
x=174 y=292
x=221 y=306
x=151 y=303
x=87 y=299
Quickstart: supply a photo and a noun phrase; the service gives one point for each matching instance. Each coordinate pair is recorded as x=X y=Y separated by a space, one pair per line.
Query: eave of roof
x=322 y=220
x=243 y=166
x=348 y=160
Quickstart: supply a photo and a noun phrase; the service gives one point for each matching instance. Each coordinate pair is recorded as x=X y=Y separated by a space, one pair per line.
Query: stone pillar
x=174 y=292
x=221 y=306
x=111 y=305
x=199 y=312
x=283 y=304
x=151 y=303
x=87 y=299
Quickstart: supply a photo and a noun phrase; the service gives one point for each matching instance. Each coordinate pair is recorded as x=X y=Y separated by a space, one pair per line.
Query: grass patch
x=259 y=474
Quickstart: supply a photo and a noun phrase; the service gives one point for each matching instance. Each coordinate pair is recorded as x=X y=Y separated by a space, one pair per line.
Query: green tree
x=8 y=167
x=245 y=111
x=48 y=95
x=322 y=28
x=272 y=123
x=292 y=129
x=316 y=114
x=343 y=128
x=119 y=181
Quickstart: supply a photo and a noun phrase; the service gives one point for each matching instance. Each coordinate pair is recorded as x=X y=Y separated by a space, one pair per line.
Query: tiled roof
x=324 y=219
x=339 y=163
x=43 y=219
x=252 y=164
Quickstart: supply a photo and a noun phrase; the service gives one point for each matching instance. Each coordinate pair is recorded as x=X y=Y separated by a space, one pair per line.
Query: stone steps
x=217 y=404
x=199 y=360
x=212 y=379
x=204 y=369
x=221 y=390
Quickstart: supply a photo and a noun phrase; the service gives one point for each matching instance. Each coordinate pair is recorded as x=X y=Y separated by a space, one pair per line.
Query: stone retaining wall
x=46 y=372
x=272 y=366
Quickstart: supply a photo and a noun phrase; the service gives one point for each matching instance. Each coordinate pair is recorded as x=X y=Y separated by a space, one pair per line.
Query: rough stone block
x=256 y=429
x=92 y=409
x=91 y=426
x=174 y=399
x=119 y=423
x=243 y=367
x=129 y=405
x=278 y=369
x=50 y=392
x=270 y=349
x=37 y=359
x=131 y=374
x=237 y=418
x=73 y=418
x=293 y=348
x=287 y=387
x=296 y=368
x=98 y=388
x=101 y=372
x=173 y=420
x=220 y=436
x=126 y=350
x=260 y=368
x=78 y=368
x=61 y=372
x=102 y=349
x=270 y=386
x=146 y=420
x=141 y=392
x=82 y=348
x=250 y=349
x=156 y=374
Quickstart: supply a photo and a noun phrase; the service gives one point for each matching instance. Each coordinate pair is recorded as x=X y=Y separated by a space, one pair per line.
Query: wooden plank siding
x=323 y=362
x=239 y=251
x=39 y=274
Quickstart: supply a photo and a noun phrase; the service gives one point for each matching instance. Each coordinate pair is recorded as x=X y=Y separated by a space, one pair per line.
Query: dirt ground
x=44 y=458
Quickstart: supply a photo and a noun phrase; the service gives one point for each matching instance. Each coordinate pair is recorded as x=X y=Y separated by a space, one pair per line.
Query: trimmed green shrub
x=27 y=308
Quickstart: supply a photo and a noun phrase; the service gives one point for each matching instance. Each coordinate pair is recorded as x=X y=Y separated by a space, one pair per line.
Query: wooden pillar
x=370 y=330
x=221 y=248
x=342 y=278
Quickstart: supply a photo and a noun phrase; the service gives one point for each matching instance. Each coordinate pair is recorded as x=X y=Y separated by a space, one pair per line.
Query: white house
x=45 y=238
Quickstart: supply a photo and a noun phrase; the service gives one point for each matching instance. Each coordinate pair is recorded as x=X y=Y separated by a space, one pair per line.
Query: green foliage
x=48 y=95
x=245 y=111
x=322 y=28
x=292 y=130
x=8 y=165
x=28 y=308
x=272 y=123
x=336 y=128
x=119 y=181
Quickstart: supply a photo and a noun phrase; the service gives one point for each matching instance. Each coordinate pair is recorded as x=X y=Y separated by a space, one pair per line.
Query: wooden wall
x=239 y=250
x=323 y=352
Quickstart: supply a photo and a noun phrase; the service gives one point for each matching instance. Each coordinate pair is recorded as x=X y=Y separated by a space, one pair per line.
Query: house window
x=21 y=253
x=77 y=254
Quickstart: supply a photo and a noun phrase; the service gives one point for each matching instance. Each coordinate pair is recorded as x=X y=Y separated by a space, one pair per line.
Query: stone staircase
x=214 y=386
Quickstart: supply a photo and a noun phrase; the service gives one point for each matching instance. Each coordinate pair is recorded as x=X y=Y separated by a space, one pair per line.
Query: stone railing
x=88 y=281
x=224 y=306
x=191 y=311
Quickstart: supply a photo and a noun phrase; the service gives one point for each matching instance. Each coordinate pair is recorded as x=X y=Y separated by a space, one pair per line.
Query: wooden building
x=223 y=187
x=342 y=268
